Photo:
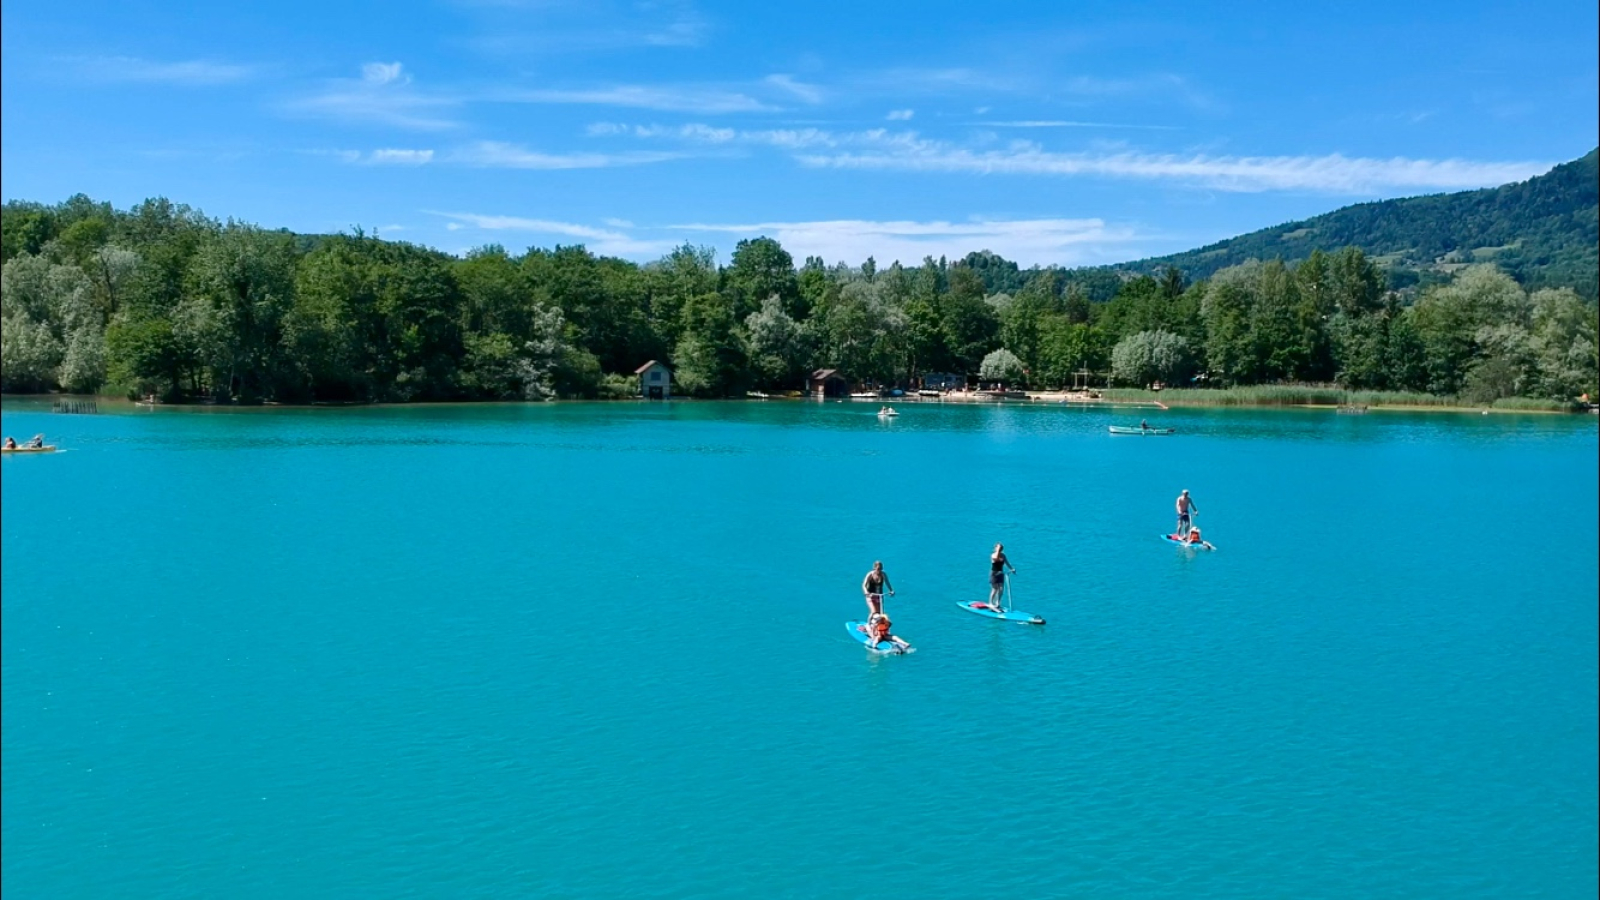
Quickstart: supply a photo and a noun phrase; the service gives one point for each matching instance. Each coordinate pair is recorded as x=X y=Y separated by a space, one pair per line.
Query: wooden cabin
x=655 y=381
x=826 y=383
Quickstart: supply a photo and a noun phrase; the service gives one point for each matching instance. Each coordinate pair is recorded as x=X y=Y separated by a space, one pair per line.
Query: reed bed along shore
x=1313 y=395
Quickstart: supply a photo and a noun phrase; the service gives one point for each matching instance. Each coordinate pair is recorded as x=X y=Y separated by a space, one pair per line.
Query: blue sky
x=1048 y=132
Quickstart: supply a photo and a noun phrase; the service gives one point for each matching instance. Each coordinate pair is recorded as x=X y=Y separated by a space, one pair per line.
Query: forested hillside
x=1543 y=232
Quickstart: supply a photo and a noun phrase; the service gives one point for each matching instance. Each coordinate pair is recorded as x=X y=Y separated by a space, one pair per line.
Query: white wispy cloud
x=900 y=115
x=1161 y=85
x=503 y=155
x=1069 y=123
x=889 y=150
x=809 y=93
x=383 y=95
x=686 y=28
x=376 y=73
x=608 y=242
x=189 y=73
x=709 y=101
x=699 y=133
x=520 y=223
x=1333 y=173
x=585 y=26
x=940 y=79
x=397 y=157
x=1026 y=241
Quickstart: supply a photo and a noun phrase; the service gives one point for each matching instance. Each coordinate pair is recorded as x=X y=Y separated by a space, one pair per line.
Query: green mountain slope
x=1543 y=232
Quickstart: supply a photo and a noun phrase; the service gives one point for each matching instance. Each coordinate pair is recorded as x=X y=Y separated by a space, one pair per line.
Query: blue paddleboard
x=1174 y=539
x=1010 y=615
x=858 y=630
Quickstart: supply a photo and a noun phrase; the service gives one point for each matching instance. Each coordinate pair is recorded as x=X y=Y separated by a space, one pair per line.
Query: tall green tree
x=761 y=268
x=779 y=347
x=240 y=288
x=711 y=357
x=1151 y=356
x=970 y=326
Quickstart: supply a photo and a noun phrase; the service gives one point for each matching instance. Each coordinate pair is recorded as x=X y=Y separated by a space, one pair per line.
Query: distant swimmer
x=873 y=586
x=1195 y=540
x=1186 y=508
x=997 y=574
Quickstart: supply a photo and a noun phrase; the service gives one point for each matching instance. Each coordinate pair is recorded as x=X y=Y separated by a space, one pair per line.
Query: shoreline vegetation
x=1306 y=397
x=162 y=304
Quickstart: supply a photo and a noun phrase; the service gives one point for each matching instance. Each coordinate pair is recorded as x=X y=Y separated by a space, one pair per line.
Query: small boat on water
x=1124 y=429
x=887 y=412
x=865 y=395
x=47 y=448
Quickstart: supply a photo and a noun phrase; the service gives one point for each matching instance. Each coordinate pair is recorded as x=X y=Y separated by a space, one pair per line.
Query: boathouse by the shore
x=655 y=381
x=825 y=383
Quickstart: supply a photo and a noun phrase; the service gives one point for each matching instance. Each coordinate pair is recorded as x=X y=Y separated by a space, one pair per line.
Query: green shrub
x=619 y=387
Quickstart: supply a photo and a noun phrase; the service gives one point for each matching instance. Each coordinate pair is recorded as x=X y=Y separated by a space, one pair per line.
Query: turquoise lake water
x=585 y=650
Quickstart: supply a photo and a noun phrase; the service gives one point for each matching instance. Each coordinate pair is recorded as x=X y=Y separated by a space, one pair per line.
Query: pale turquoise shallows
x=597 y=651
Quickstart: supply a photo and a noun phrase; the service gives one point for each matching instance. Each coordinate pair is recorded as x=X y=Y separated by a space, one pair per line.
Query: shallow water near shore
x=596 y=650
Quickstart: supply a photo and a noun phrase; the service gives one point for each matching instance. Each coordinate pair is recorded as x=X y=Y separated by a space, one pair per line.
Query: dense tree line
x=163 y=300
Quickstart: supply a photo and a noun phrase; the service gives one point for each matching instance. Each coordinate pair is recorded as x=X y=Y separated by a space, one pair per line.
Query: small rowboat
x=1123 y=429
x=47 y=448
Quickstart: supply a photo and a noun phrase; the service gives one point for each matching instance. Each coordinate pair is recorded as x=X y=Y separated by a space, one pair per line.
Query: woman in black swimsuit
x=873 y=586
x=997 y=574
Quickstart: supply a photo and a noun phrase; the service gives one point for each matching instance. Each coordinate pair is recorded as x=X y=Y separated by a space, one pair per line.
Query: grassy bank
x=1312 y=395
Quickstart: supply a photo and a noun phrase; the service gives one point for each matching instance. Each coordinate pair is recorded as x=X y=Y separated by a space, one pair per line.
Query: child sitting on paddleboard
x=878 y=630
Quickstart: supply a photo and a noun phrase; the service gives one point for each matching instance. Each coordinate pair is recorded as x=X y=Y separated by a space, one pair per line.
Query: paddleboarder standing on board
x=1185 y=507
x=997 y=574
x=873 y=586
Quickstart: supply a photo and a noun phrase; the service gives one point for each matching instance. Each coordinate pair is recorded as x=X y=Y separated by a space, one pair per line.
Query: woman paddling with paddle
x=997 y=574
x=873 y=587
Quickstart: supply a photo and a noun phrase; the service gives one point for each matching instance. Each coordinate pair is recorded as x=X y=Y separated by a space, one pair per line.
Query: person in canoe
x=997 y=574
x=36 y=443
x=873 y=586
x=1185 y=508
x=11 y=443
x=878 y=629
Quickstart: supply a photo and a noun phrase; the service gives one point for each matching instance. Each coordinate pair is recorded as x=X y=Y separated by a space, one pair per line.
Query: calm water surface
x=596 y=651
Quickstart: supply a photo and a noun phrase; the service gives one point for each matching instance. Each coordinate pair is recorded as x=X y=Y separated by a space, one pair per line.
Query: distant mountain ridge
x=1544 y=232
